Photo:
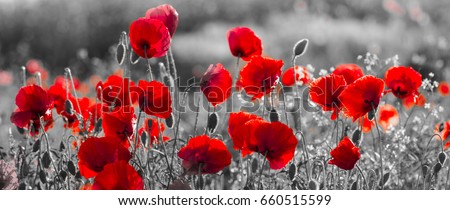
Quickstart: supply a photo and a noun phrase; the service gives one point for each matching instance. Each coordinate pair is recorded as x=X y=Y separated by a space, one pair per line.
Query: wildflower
x=216 y=84
x=33 y=102
x=350 y=72
x=388 y=116
x=118 y=176
x=244 y=43
x=345 y=155
x=166 y=14
x=403 y=81
x=95 y=153
x=149 y=38
x=325 y=92
x=362 y=96
x=260 y=75
x=119 y=123
x=8 y=176
x=274 y=140
x=205 y=155
x=298 y=75
x=155 y=99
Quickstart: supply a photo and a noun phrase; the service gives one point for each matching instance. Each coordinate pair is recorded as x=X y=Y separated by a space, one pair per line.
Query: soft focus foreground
x=295 y=99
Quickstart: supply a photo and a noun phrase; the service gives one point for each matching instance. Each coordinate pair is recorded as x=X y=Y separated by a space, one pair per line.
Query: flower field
x=252 y=121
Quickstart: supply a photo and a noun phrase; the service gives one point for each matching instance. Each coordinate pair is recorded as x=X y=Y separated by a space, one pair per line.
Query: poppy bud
x=371 y=114
x=71 y=167
x=68 y=107
x=213 y=121
x=300 y=47
x=356 y=136
x=385 y=178
x=166 y=80
x=313 y=185
x=134 y=58
x=98 y=126
x=292 y=171
x=62 y=147
x=254 y=165
x=424 y=170
x=46 y=160
x=36 y=145
x=274 y=116
x=63 y=175
x=437 y=168
x=22 y=186
x=169 y=121
x=442 y=157
x=144 y=137
x=120 y=53
x=42 y=176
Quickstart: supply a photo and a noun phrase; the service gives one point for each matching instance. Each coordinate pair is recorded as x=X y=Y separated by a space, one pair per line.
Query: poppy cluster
x=274 y=140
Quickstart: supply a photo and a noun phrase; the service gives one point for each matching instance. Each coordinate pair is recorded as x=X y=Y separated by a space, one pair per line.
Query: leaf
x=46 y=160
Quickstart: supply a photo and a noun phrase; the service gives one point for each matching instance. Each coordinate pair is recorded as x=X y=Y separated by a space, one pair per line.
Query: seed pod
x=36 y=145
x=78 y=175
x=292 y=171
x=62 y=147
x=300 y=47
x=442 y=157
x=98 y=126
x=134 y=58
x=213 y=121
x=437 y=168
x=120 y=53
x=371 y=114
x=144 y=137
x=46 y=160
x=313 y=185
x=68 y=107
x=169 y=121
x=63 y=175
x=22 y=186
x=274 y=116
x=356 y=136
x=386 y=178
x=254 y=165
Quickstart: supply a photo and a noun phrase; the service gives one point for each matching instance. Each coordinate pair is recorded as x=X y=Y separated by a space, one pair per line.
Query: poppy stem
x=24 y=76
x=410 y=114
x=380 y=149
x=362 y=174
x=306 y=154
x=284 y=103
x=196 y=116
x=73 y=87
x=262 y=169
x=150 y=75
x=137 y=133
x=236 y=69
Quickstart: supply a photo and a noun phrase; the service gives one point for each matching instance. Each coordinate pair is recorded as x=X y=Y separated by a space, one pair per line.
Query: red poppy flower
x=443 y=129
x=238 y=130
x=388 y=116
x=95 y=153
x=166 y=14
x=154 y=99
x=116 y=91
x=120 y=123
x=61 y=81
x=325 y=92
x=299 y=75
x=34 y=66
x=345 y=155
x=211 y=154
x=118 y=176
x=244 y=43
x=260 y=75
x=59 y=95
x=71 y=119
x=350 y=72
x=149 y=38
x=274 y=140
x=152 y=129
x=367 y=124
x=403 y=81
x=444 y=88
x=32 y=103
x=414 y=100
x=216 y=84
x=362 y=96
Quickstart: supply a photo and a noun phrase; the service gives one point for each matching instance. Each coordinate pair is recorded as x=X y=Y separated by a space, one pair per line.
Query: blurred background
x=82 y=34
